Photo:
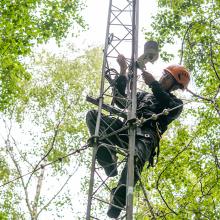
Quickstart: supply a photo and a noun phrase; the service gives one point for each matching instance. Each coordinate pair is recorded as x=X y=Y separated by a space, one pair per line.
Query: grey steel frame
x=116 y=41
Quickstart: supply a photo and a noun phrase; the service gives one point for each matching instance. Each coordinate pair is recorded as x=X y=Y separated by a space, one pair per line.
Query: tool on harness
x=111 y=75
x=131 y=121
x=158 y=129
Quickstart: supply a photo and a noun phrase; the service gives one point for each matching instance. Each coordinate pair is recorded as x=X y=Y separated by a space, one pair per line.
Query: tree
x=50 y=120
x=22 y=25
x=185 y=182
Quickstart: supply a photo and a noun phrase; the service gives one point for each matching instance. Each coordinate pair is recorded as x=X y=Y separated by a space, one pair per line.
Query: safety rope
x=142 y=120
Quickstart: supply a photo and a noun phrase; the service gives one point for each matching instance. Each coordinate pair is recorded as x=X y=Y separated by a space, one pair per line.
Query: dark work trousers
x=144 y=147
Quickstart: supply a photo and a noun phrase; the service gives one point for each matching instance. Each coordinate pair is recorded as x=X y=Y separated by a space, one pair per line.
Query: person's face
x=168 y=82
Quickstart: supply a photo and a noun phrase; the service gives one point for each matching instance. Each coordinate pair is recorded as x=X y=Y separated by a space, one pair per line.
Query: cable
x=84 y=147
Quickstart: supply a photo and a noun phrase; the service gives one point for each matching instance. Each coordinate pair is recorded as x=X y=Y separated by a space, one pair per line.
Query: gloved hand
x=147 y=77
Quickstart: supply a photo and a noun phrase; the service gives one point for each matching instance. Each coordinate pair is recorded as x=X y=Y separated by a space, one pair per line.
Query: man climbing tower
x=148 y=134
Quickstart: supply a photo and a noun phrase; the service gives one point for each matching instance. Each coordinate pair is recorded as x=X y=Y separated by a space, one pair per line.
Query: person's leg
x=106 y=154
x=143 y=148
x=107 y=125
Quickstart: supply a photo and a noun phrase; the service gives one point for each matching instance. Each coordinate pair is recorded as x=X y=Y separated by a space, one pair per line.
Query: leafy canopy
x=185 y=182
x=50 y=118
x=23 y=24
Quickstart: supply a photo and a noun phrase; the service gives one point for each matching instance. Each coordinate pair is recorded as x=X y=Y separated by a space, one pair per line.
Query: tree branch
x=171 y=162
x=48 y=164
x=214 y=100
x=19 y=152
x=37 y=195
x=217 y=92
x=212 y=62
x=213 y=151
x=145 y=195
x=183 y=42
x=208 y=100
x=58 y=192
x=9 y=150
x=56 y=130
x=211 y=55
x=200 y=97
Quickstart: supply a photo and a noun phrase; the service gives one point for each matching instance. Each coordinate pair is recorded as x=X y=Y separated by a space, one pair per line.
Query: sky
x=95 y=16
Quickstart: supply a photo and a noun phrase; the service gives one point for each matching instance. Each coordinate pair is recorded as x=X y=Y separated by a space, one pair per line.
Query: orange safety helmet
x=180 y=73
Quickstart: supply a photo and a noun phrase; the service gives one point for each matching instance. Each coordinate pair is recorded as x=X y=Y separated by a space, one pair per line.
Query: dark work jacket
x=148 y=104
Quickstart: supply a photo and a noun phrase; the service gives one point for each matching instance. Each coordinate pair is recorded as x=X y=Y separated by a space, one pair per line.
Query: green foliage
x=4 y=170
x=196 y=23
x=9 y=200
x=185 y=182
x=57 y=103
x=51 y=120
x=23 y=24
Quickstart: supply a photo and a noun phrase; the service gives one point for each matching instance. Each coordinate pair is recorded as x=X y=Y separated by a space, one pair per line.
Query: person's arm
x=165 y=98
x=120 y=97
x=175 y=106
x=160 y=94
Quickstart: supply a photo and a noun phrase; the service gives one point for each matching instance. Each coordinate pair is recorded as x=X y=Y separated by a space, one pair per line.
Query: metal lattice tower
x=121 y=38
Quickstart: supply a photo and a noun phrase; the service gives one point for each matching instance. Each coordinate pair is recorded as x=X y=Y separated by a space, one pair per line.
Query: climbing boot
x=107 y=159
x=117 y=200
